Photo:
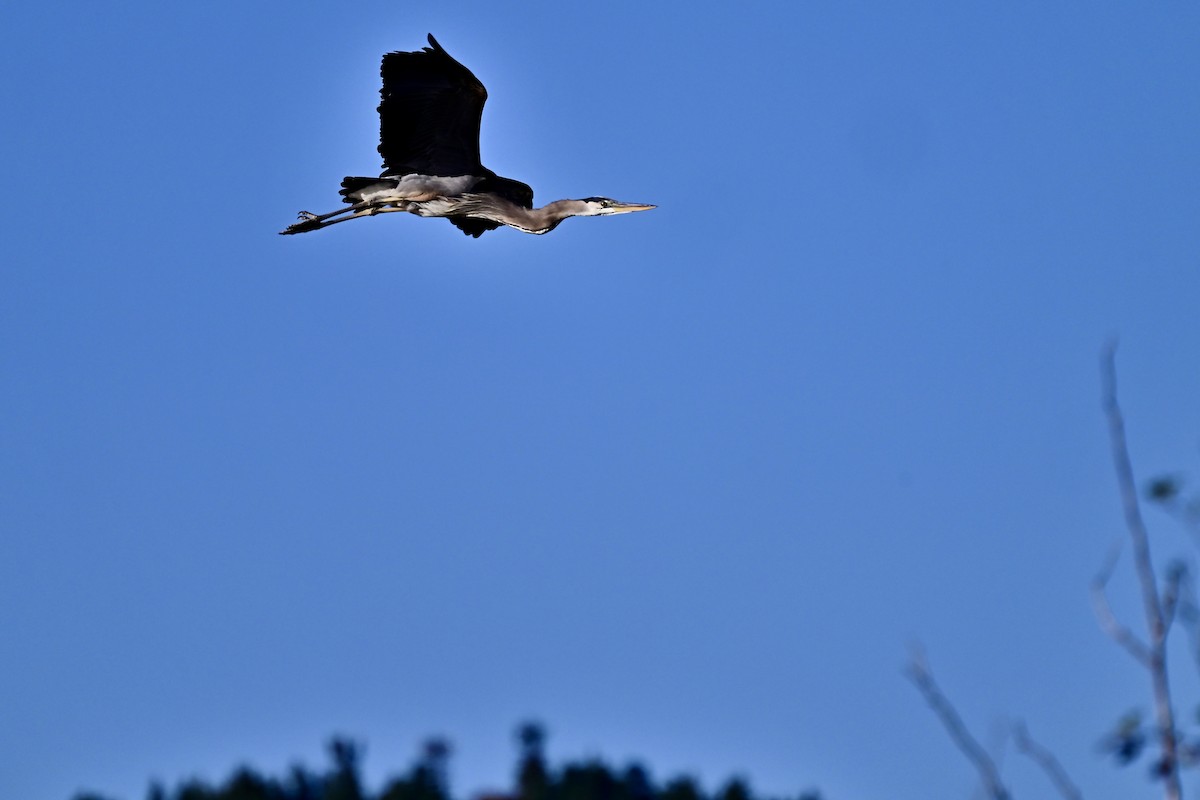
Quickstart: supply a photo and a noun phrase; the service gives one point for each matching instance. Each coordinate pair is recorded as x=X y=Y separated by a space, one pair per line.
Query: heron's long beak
x=625 y=208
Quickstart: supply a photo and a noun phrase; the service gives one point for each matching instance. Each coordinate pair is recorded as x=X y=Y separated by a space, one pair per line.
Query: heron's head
x=603 y=206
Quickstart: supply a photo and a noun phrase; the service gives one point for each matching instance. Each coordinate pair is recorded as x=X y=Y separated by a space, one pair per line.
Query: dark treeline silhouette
x=427 y=780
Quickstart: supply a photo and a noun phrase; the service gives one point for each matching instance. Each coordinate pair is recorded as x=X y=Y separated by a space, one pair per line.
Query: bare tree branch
x=1046 y=760
x=1172 y=591
x=922 y=678
x=1156 y=626
x=1188 y=613
x=1108 y=621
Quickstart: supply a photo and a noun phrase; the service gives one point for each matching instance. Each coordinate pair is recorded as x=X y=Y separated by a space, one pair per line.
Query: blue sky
x=684 y=485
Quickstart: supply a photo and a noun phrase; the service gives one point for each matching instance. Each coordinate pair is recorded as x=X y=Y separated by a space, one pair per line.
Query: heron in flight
x=429 y=139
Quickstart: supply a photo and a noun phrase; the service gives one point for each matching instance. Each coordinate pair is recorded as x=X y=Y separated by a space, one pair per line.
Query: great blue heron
x=429 y=139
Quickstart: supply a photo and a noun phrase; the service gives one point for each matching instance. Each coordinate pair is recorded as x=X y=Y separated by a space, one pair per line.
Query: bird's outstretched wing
x=429 y=116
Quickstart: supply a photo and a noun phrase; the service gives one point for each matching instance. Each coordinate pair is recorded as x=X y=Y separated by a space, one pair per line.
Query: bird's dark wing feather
x=429 y=116
x=473 y=226
x=510 y=190
x=513 y=191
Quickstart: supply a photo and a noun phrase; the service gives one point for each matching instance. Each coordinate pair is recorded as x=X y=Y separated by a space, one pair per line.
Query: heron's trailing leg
x=311 y=222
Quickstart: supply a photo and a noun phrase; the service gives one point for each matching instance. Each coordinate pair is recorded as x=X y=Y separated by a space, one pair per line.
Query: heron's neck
x=531 y=220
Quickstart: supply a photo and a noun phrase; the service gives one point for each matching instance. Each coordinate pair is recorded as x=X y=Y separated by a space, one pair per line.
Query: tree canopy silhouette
x=427 y=779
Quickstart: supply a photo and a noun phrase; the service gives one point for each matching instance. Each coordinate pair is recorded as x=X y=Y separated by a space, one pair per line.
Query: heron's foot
x=308 y=222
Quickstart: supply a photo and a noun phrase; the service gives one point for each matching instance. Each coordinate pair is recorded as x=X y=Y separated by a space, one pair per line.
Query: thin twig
x=1155 y=619
x=1119 y=633
x=1171 y=593
x=1046 y=760
x=922 y=678
x=1189 y=615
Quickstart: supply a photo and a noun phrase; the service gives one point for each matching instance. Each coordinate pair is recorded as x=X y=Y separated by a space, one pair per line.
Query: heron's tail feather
x=351 y=184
